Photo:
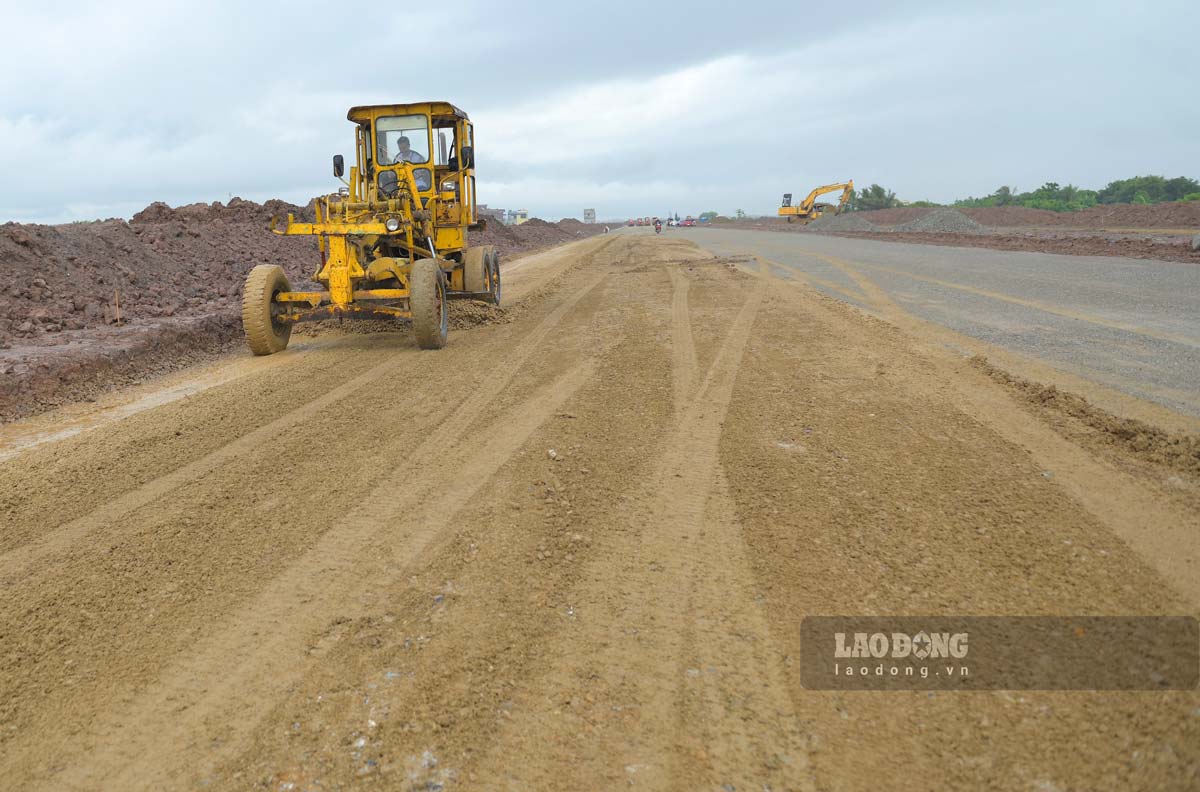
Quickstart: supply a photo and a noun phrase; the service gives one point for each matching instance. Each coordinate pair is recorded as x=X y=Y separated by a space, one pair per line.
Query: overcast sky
x=631 y=108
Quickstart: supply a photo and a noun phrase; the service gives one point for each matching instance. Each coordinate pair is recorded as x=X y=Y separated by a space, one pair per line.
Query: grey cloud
x=127 y=103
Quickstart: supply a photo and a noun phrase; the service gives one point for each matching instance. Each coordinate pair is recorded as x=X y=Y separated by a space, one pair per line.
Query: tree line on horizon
x=1052 y=196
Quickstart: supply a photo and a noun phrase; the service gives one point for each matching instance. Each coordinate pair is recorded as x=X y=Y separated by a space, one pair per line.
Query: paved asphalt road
x=1130 y=324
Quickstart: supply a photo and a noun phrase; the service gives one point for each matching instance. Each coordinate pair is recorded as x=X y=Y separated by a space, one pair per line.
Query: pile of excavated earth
x=1169 y=231
x=91 y=304
x=943 y=220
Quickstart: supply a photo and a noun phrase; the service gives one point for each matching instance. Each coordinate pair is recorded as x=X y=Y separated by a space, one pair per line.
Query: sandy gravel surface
x=572 y=551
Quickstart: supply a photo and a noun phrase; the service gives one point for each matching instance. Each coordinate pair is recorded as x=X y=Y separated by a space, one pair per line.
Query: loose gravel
x=843 y=222
x=939 y=221
x=944 y=220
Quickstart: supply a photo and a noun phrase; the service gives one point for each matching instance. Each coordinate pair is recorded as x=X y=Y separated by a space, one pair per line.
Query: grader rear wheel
x=427 y=300
x=475 y=269
x=493 y=268
x=264 y=333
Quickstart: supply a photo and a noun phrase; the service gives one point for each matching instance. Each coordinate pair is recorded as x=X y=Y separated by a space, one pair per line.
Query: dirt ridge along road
x=73 y=419
x=560 y=615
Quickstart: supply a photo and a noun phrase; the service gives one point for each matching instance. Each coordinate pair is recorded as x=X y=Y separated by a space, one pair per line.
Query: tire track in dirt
x=124 y=456
x=684 y=367
x=22 y=558
x=252 y=658
x=76 y=419
x=738 y=723
x=678 y=627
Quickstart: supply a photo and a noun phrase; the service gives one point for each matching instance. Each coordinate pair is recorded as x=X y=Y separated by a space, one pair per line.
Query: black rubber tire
x=427 y=300
x=493 y=262
x=475 y=272
x=264 y=335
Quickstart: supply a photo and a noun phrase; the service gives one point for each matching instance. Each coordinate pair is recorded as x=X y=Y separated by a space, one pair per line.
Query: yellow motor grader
x=393 y=240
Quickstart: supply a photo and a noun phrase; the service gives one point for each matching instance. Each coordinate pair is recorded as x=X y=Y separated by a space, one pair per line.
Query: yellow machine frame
x=372 y=232
x=809 y=209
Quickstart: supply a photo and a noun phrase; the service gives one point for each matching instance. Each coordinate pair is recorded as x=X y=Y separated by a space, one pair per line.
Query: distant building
x=499 y=215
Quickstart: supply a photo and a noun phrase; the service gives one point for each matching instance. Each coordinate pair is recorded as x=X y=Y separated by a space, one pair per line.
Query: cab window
x=444 y=147
x=402 y=138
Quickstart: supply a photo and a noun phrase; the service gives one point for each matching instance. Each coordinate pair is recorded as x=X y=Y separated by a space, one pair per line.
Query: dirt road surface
x=572 y=551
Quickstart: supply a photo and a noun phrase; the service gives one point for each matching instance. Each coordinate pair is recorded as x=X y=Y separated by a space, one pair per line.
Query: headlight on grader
x=392 y=224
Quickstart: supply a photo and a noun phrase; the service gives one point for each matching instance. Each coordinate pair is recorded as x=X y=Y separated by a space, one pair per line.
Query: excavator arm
x=847 y=194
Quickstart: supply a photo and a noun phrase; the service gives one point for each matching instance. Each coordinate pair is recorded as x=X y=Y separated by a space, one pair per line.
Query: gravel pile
x=942 y=221
x=850 y=221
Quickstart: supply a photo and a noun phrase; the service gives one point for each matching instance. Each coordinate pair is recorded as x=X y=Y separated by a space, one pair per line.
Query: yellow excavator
x=809 y=209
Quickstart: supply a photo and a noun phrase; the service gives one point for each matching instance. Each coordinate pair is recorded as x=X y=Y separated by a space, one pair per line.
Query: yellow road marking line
x=1035 y=304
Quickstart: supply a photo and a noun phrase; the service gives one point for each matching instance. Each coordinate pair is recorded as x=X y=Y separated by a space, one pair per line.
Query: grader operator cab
x=393 y=240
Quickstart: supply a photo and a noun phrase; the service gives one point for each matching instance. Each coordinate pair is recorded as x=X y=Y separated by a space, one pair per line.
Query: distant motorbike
x=658 y=228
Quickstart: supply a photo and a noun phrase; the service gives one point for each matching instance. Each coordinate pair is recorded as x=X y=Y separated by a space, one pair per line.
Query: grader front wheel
x=427 y=300
x=264 y=333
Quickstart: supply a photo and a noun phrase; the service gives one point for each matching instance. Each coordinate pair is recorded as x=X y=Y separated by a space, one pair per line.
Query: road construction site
x=572 y=550
x=1162 y=232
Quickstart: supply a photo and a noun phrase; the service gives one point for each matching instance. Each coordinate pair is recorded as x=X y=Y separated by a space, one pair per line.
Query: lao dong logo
x=899 y=646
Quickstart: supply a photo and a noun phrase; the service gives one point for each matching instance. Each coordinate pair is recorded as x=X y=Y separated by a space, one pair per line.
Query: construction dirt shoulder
x=573 y=549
